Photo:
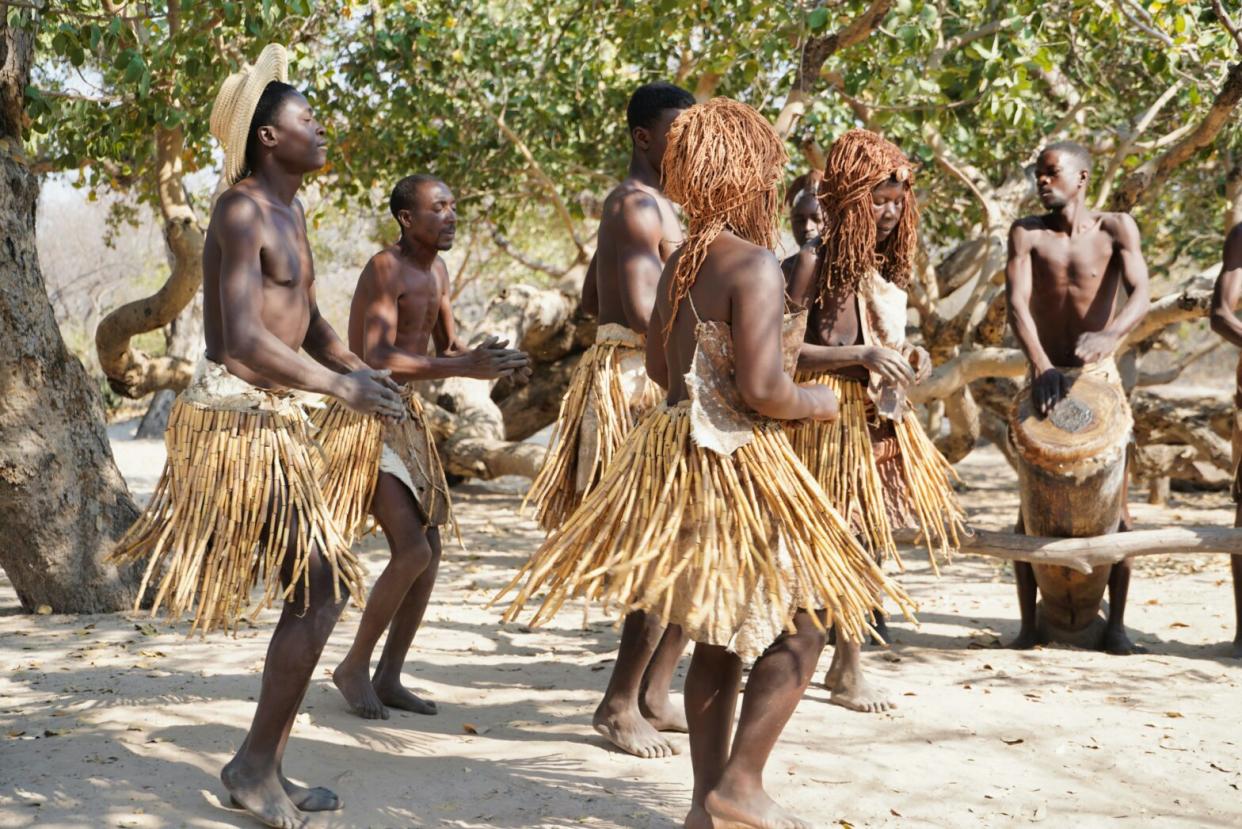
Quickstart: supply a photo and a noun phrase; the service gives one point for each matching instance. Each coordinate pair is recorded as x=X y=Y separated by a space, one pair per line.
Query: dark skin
x=834 y=342
x=259 y=310
x=637 y=232
x=1225 y=322
x=740 y=284
x=1065 y=274
x=401 y=305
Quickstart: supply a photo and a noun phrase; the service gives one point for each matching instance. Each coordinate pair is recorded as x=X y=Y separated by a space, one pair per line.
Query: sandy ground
x=119 y=721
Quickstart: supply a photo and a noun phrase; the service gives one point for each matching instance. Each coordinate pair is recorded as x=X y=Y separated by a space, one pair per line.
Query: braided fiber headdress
x=723 y=166
x=858 y=162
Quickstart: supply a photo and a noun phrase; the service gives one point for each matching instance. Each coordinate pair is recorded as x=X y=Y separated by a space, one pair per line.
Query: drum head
x=1091 y=420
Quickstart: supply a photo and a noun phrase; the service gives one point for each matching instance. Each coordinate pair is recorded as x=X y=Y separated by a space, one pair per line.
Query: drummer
x=1065 y=268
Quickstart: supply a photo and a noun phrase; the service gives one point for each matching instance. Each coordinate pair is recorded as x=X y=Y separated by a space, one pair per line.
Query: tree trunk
x=63 y=502
x=479 y=424
x=130 y=372
x=185 y=342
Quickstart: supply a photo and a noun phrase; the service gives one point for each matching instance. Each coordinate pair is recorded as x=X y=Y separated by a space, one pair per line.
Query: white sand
x=117 y=721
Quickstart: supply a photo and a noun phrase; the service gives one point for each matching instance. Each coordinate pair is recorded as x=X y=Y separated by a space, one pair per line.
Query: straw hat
x=233 y=110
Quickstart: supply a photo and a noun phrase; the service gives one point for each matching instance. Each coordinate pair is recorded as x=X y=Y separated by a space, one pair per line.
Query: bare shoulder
x=439 y=270
x=1028 y=225
x=1233 y=247
x=236 y=209
x=381 y=271
x=1121 y=227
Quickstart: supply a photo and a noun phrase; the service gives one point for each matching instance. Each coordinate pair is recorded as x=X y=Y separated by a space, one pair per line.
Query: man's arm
x=325 y=345
x=1047 y=384
x=758 y=311
x=1097 y=345
x=1228 y=290
x=639 y=234
x=376 y=299
x=589 y=302
x=246 y=338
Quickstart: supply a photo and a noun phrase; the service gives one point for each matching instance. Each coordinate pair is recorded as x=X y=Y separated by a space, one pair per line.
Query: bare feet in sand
x=850 y=689
x=734 y=808
x=359 y=693
x=698 y=818
x=629 y=731
x=306 y=798
x=395 y=695
x=1025 y=640
x=262 y=796
x=1117 y=641
x=663 y=714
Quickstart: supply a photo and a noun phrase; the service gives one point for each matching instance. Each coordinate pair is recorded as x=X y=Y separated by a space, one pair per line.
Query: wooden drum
x=1071 y=473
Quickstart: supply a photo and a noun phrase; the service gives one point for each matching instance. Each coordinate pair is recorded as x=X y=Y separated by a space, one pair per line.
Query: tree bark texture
x=63 y=502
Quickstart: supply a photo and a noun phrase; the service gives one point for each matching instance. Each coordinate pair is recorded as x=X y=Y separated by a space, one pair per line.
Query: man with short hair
x=400 y=308
x=238 y=501
x=1063 y=278
x=608 y=393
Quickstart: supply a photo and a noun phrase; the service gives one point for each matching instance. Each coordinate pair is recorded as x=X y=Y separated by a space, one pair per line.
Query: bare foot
x=262 y=796
x=1026 y=640
x=306 y=798
x=396 y=696
x=359 y=694
x=733 y=808
x=663 y=714
x=1116 y=641
x=699 y=819
x=630 y=732
x=852 y=690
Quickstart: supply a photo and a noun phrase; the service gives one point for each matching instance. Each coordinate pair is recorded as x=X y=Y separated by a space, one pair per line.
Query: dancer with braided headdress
x=707 y=519
x=239 y=501
x=608 y=392
x=876 y=463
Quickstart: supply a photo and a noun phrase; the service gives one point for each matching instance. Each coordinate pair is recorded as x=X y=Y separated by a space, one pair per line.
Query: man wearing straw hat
x=238 y=500
x=1226 y=324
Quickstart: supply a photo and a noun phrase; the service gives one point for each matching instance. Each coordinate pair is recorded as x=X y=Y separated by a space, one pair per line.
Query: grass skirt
x=727 y=546
x=238 y=496
x=608 y=392
x=913 y=490
x=346 y=463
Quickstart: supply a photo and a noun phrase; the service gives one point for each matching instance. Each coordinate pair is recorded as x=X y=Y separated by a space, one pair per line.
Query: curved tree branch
x=1151 y=175
x=815 y=53
x=131 y=372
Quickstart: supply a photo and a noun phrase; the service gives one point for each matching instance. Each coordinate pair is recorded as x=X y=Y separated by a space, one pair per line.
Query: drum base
x=1088 y=637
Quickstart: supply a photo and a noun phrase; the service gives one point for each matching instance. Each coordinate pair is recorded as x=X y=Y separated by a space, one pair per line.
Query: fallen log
x=1084 y=554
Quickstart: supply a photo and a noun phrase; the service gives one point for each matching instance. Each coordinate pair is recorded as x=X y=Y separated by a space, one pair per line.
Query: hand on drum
x=1095 y=346
x=1047 y=391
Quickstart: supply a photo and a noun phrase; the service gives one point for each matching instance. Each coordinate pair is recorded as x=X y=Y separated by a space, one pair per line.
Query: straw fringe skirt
x=238 y=497
x=912 y=490
x=355 y=448
x=346 y=463
x=597 y=413
x=727 y=546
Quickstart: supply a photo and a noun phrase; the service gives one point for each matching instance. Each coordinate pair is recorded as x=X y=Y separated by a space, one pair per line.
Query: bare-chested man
x=1225 y=323
x=1065 y=273
x=400 y=306
x=638 y=231
x=238 y=443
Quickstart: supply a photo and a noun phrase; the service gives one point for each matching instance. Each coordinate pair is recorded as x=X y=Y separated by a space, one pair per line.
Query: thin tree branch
x=1227 y=22
x=1127 y=144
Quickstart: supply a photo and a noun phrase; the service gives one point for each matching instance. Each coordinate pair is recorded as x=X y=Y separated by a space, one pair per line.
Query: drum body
x=1071 y=474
